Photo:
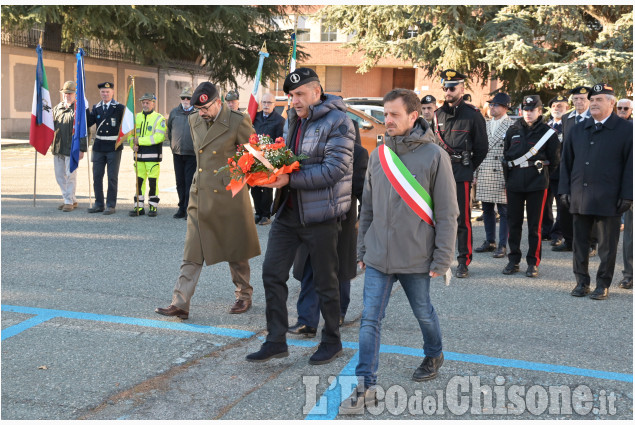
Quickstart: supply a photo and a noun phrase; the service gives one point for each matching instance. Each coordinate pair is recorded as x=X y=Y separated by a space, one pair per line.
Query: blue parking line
x=43 y=314
x=27 y=324
x=327 y=407
x=233 y=333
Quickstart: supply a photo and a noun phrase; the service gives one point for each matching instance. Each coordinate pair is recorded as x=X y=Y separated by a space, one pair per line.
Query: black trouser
x=286 y=234
x=556 y=229
x=547 y=213
x=464 y=230
x=263 y=197
x=515 y=213
x=607 y=230
x=100 y=161
x=184 y=169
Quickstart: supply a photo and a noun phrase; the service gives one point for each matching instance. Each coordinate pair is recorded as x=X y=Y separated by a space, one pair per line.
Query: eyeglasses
x=623 y=108
x=268 y=103
x=188 y=98
x=205 y=108
x=450 y=89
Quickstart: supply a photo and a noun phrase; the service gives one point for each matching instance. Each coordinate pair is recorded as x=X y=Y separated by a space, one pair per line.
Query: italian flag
x=127 y=123
x=252 y=108
x=42 y=129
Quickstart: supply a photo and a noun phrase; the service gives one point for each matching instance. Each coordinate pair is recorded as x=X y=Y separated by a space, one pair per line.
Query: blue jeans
x=308 y=301
x=377 y=288
x=489 y=221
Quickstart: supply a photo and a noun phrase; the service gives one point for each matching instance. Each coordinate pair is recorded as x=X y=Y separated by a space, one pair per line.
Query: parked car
x=372 y=110
x=377 y=101
x=371 y=129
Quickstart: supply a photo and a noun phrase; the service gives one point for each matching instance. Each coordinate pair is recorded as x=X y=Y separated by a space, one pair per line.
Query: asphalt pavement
x=80 y=339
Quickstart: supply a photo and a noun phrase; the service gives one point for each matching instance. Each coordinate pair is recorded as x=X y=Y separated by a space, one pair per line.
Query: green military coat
x=219 y=227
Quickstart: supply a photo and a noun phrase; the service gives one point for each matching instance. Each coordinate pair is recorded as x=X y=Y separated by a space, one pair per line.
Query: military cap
x=450 y=78
x=601 y=88
x=580 y=90
x=187 y=92
x=299 y=77
x=531 y=102
x=427 y=99
x=204 y=93
x=69 y=87
x=559 y=98
x=106 y=85
x=232 y=95
x=467 y=97
x=501 y=99
x=148 y=96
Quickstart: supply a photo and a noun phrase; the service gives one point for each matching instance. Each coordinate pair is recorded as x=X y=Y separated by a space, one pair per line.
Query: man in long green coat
x=219 y=227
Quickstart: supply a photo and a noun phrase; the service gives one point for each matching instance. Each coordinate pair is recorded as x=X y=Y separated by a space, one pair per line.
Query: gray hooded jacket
x=324 y=181
x=392 y=238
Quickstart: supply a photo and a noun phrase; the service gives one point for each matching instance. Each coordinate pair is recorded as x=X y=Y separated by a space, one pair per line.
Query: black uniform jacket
x=107 y=122
x=597 y=166
x=273 y=125
x=462 y=127
x=521 y=137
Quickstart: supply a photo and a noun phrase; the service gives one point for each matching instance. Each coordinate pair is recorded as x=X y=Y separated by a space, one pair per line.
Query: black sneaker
x=268 y=351
x=152 y=212
x=180 y=214
x=326 y=353
x=511 y=268
x=304 y=330
x=532 y=271
x=501 y=252
x=487 y=246
x=462 y=271
x=428 y=369
x=133 y=213
x=580 y=291
x=562 y=247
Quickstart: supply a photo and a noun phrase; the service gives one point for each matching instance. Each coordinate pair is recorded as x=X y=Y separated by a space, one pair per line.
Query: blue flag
x=80 y=130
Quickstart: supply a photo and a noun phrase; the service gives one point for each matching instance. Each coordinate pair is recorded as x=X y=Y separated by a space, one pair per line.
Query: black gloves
x=566 y=200
x=623 y=205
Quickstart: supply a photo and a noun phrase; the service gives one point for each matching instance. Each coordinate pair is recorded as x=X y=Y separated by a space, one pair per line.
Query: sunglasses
x=623 y=108
x=188 y=98
x=450 y=89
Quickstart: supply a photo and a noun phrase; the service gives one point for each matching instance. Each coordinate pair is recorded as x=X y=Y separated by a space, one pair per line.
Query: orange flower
x=245 y=162
x=253 y=139
x=280 y=140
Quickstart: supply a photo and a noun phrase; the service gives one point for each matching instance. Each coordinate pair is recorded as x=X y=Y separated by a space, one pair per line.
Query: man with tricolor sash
x=407 y=232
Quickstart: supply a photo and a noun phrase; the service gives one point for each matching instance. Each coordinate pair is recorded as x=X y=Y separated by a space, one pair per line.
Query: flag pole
x=35 y=170
x=134 y=115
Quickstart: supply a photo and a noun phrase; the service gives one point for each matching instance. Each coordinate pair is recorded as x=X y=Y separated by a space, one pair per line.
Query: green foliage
x=531 y=49
x=222 y=40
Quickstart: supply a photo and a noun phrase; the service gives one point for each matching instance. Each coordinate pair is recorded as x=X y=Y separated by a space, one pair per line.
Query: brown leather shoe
x=172 y=311
x=240 y=306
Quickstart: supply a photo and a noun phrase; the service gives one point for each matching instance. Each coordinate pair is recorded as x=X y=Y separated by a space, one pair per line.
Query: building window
x=304 y=32
x=328 y=33
x=333 y=79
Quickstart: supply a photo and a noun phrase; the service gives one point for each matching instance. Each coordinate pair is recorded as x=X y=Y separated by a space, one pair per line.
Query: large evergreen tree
x=221 y=40
x=531 y=49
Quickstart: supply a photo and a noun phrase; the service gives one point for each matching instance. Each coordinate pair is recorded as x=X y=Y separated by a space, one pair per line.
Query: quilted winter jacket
x=324 y=181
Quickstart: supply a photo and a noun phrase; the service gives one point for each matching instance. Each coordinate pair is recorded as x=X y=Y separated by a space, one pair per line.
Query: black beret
x=601 y=88
x=106 y=85
x=450 y=77
x=502 y=99
x=580 y=90
x=559 y=98
x=531 y=102
x=204 y=93
x=298 y=78
x=427 y=99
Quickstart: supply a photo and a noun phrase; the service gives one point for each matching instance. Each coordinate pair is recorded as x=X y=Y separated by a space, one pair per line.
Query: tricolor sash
x=406 y=185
